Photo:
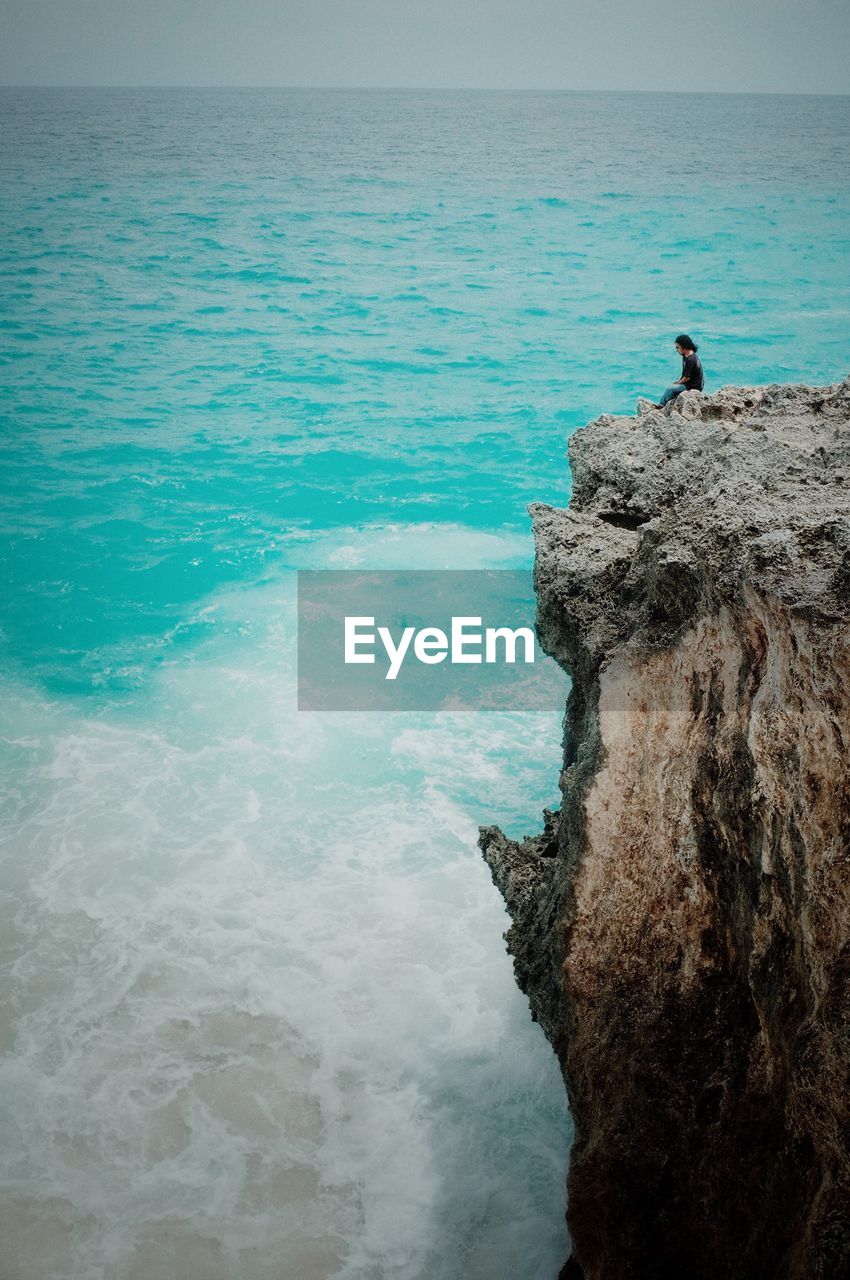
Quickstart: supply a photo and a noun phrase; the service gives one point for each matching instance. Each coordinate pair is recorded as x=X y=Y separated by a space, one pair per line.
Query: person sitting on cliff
x=691 y=378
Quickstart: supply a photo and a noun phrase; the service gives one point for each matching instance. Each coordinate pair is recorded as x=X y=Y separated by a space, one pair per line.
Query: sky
x=754 y=46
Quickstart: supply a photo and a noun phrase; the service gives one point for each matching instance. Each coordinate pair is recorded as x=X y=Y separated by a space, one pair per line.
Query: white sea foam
x=420 y=546
x=262 y=1023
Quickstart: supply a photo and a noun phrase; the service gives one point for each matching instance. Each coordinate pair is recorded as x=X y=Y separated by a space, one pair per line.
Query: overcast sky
x=800 y=46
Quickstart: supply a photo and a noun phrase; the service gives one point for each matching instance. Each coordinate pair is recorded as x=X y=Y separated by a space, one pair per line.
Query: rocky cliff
x=682 y=925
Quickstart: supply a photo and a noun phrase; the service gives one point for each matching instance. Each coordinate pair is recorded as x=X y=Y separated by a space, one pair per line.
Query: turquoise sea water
x=261 y=1019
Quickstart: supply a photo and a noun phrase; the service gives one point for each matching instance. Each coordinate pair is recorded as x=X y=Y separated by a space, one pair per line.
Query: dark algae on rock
x=682 y=925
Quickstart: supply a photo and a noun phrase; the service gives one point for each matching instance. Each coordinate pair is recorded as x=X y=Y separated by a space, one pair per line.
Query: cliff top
x=676 y=512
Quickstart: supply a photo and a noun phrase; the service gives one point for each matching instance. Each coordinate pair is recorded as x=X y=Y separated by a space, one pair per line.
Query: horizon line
x=413 y=88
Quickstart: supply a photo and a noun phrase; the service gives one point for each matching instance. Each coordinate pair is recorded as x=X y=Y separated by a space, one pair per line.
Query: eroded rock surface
x=682 y=925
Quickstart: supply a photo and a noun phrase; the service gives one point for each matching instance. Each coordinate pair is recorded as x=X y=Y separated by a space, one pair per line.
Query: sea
x=259 y=1020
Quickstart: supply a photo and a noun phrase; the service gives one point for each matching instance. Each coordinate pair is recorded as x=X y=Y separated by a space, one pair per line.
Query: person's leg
x=671 y=393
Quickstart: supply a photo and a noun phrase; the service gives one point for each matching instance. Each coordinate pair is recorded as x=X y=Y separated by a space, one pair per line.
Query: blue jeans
x=671 y=392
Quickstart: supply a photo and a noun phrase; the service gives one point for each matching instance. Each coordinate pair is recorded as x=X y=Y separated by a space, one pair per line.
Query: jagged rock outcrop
x=682 y=925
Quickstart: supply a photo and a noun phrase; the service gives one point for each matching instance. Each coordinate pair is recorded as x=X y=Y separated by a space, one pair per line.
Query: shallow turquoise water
x=261 y=1013
x=235 y=318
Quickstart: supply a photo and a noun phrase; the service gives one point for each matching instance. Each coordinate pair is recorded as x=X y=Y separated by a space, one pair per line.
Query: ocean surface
x=259 y=1019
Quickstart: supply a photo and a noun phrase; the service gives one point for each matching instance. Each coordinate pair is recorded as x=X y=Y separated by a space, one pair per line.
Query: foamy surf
x=262 y=1023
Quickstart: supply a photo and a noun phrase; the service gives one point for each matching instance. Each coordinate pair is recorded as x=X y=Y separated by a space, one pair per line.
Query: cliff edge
x=682 y=925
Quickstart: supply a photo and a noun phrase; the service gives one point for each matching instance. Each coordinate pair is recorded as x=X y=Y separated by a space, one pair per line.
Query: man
x=690 y=379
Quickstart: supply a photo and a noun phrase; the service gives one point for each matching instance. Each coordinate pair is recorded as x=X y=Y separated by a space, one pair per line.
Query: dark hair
x=684 y=341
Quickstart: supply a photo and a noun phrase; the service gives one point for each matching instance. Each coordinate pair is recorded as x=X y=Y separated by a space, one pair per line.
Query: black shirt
x=692 y=371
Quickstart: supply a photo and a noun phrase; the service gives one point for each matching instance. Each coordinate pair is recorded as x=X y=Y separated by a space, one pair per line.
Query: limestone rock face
x=682 y=926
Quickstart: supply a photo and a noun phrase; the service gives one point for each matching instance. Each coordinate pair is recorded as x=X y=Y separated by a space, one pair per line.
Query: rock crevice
x=682 y=925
